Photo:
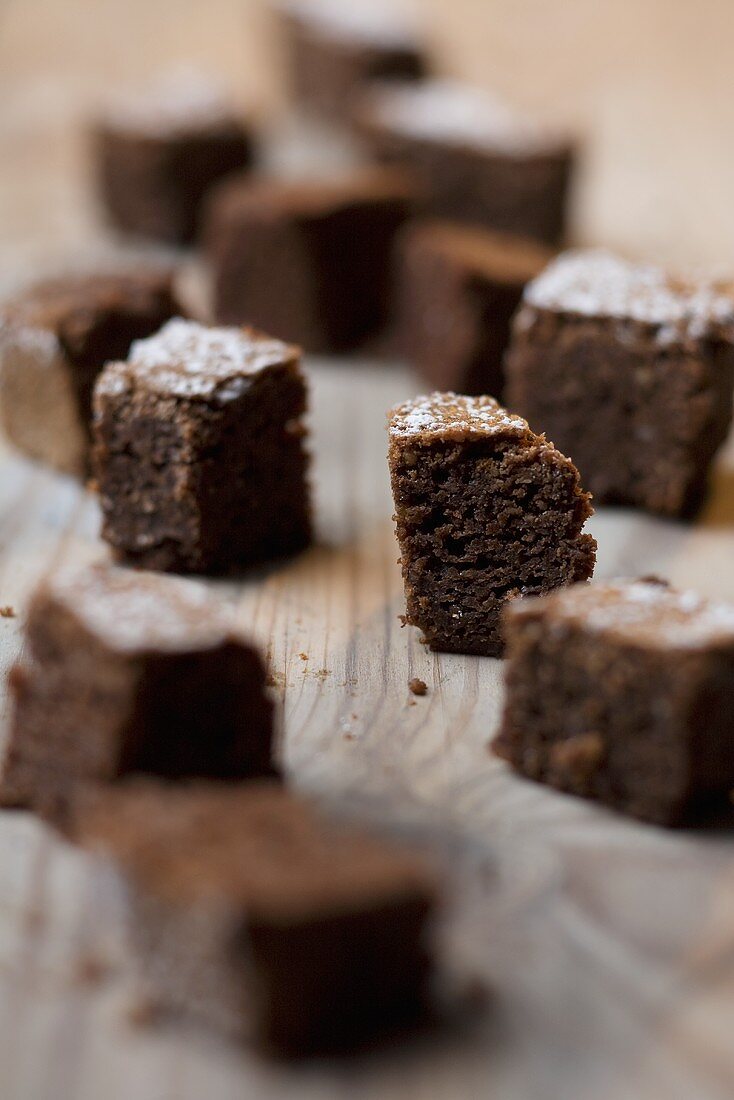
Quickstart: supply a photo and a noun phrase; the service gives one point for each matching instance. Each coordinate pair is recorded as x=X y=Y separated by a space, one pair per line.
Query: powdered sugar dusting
x=596 y=283
x=138 y=612
x=178 y=101
x=187 y=359
x=369 y=21
x=438 y=413
x=645 y=612
x=447 y=111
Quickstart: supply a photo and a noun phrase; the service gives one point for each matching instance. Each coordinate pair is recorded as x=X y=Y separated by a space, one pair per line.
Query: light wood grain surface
x=608 y=946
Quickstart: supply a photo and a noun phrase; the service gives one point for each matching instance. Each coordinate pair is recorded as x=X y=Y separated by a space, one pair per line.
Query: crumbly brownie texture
x=632 y=371
x=334 y=50
x=477 y=160
x=309 y=260
x=622 y=693
x=486 y=510
x=253 y=913
x=158 y=154
x=457 y=289
x=199 y=450
x=55 y=337
x=130 y=673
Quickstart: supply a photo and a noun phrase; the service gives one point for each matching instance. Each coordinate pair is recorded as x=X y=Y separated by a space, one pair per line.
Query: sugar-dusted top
x=372 y=22
x=178 y=101
x=256 y=845
x=191 y=360
x=594 y=283
x=644 y=612
x=453 y=415
x=450 y=112
x=135 y=612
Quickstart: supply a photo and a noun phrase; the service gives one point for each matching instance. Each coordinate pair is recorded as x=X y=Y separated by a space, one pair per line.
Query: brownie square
x=632 y=371
x=476 y=159
x=310 y=260
x=622 y=693
x=252 y=912
x=486 y=510
x=199 y=450
x=334 y=50
x=123 y=673
x=157 y=154
x=457 y=289
x=55 y=337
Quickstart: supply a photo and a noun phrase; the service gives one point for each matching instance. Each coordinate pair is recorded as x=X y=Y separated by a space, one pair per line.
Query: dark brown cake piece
x=486 y=510
x=199 y=450
x=457 y=288
x=125 y=673
x=250 y=911
x=157 y=155
x=55 y=337
x=308 y=259
x=630 y=369
x=476 y=159
x=622 y=692
x=335 y=49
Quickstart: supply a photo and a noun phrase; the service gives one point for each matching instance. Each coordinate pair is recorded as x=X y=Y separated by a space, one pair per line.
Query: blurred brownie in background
x=55 y=337
x=478 y=160
x=485 y=510
x=157 y=154
x=457 y=289
x=199 y=450
x=256 y=915
x=126 y=673
x=629 y=369
x=621 y=692
x=335 y=48
x=310 y=260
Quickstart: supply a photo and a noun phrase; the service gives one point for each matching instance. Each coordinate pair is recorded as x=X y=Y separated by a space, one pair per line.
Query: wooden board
x=608 y=946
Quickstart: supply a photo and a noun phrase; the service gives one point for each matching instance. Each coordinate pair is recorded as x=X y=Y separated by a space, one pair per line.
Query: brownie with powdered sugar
x=199 y=450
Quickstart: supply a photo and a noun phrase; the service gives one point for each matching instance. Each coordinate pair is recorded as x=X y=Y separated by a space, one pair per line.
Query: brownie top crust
x=645 y=613
x=458 y=114
x=500 y=257
x=255 y=844
x=242 y=194
x=373 y=23
x=176 y=104
x=453 y=416
x=134 y=612
x=593 y=283
x=189 y=360
x=61 y=305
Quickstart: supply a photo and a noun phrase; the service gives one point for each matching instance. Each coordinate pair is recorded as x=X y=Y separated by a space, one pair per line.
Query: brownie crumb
x=303 y=656
x=418 y=687
x=7 y=612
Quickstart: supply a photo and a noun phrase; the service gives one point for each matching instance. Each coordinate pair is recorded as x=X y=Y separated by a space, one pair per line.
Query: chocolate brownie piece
x=486 y=510
x=157 y=155
x=457 y=289
x=55 y=337
x=130 y=673
x=252 y=912
x=310 y=260
x=632 y=371
x=334 y=50
x=622 y=692
x=199 y=454
x=477 y=160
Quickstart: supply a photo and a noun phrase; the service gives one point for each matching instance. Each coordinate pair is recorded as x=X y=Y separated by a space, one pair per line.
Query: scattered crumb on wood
x=91 y=970
x=275 y=679
x=348 y=736
x=7 y=612
x=323 y=673
x=418 y=687
x=142 y=1011
x=303 y=656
